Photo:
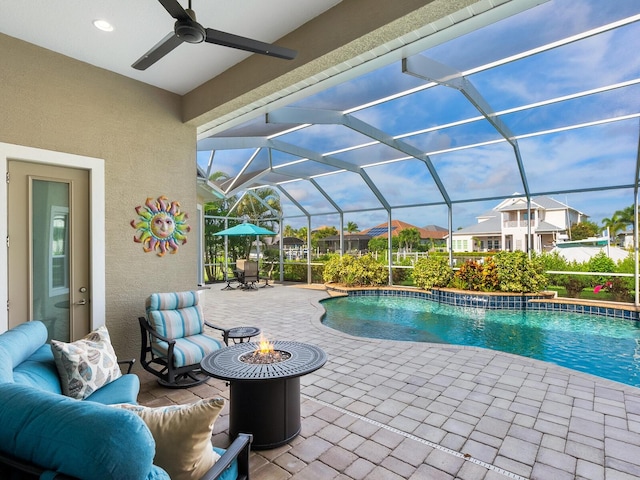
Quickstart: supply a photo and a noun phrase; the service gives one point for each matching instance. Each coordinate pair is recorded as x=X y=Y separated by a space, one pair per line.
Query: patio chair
x=246 y=273
x=173 y=339
x=238 y=271
x=250 y=274
x=267 y=275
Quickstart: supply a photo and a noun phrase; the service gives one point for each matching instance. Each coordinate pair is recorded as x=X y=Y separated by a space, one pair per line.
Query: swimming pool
x=607 y=347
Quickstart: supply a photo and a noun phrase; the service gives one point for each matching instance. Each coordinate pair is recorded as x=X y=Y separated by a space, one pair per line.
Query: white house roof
x=548 y=227
x=540 y=202
x=491 y=226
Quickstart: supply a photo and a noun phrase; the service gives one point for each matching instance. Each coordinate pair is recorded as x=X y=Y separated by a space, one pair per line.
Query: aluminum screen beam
x=427 y=69
x=330 y=117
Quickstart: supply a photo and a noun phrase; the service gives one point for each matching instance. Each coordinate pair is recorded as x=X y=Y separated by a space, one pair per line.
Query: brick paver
x=389 y=409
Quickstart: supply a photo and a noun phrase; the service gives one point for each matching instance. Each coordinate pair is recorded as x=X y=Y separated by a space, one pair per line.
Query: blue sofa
x=26 y=359
x=46 y=435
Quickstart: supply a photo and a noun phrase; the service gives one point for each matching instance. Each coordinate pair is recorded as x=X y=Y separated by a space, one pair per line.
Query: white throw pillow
x=86 y=365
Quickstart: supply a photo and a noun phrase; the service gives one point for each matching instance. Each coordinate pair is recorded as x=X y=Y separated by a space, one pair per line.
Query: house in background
x=625 y=239
x=506 y=226
x=431 y=234
x=353 y=242
x=294 y=248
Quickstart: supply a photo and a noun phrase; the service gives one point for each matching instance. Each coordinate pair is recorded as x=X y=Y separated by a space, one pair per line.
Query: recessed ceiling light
x=103 y=25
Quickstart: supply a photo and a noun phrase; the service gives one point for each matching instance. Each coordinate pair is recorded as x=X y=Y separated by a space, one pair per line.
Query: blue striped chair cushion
x=188 y=351
x=175 y=315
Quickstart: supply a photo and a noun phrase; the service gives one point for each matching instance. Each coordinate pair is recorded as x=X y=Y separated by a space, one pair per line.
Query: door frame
x=95 y=166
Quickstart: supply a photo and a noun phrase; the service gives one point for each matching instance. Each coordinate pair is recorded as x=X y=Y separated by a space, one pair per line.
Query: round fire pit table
x=264 y=397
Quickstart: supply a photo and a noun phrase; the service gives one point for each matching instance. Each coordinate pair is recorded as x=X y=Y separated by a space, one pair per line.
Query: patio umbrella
x=245 y=229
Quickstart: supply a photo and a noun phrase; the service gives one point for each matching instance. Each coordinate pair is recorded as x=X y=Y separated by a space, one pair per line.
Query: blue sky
x=585 y=158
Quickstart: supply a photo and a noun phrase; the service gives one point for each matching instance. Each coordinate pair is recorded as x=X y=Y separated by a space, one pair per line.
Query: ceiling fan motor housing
x=190 y=31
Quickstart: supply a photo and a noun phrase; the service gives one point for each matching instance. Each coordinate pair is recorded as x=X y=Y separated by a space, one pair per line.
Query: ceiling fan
x=187 y=29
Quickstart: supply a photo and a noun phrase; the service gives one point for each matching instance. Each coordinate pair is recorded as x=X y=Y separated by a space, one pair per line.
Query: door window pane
x=59 y=258
x=50 y=256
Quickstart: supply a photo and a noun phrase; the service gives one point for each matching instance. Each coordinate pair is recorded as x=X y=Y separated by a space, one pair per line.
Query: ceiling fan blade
x=175 y=9
x=248 y=44
x=159 y=50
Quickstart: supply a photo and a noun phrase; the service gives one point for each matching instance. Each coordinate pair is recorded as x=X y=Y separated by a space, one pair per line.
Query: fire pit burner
x=264 y=397
x=257 y=357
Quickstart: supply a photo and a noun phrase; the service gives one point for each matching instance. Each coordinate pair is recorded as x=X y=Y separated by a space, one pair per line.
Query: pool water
x=602 y=346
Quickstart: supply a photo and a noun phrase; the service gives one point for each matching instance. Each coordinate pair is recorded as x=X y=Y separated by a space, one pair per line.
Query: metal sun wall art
x=161 y=226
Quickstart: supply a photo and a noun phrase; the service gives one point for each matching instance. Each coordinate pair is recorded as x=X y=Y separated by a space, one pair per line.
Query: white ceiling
x=65 y=26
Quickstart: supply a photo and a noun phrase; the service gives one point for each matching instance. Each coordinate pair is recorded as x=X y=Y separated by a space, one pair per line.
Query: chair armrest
x=152 y=332
x=10 y=466
x=240 y=449
x=129 y=362
x=215 y=326
x=225 y=331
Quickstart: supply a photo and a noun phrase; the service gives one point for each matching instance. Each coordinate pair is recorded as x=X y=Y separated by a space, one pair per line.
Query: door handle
x=82 y=301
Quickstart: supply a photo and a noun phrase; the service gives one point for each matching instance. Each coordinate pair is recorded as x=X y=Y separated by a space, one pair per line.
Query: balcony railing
x=518 y=224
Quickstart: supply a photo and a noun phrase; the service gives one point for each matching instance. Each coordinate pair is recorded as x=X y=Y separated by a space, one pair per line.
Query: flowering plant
x=607 y=285
x=617 y=288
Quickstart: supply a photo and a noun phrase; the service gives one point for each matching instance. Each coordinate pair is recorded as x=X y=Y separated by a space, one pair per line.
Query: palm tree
x=620 y=220
x=352 y=227
x=614 y=224
x=261 y=211
x=264 y=209
x=289 y=231
x=214 y=244
x=627 y=216
x=409 y=237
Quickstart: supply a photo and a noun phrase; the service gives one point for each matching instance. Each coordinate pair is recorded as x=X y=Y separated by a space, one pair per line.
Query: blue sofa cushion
x=123 y=390
x=82 y=439
x=39 y=371
x=18 y=344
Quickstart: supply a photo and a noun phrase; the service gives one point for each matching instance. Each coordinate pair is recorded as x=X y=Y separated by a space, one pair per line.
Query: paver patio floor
x=383 y=409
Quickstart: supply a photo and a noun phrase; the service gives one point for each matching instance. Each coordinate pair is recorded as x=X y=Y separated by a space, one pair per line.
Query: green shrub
x=574 y=284
x=333 y=268
x=553 y=261
x=600 y=262
x=401 y=275
x=627 y=266
x=432 y=271
x=351 y=271
x=297 y=272
x=519 y=273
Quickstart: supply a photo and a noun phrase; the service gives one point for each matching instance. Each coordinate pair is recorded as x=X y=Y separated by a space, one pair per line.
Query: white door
x=49 y=248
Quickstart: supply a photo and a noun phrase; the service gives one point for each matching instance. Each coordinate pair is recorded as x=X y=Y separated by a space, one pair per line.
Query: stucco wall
x=52 y=102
